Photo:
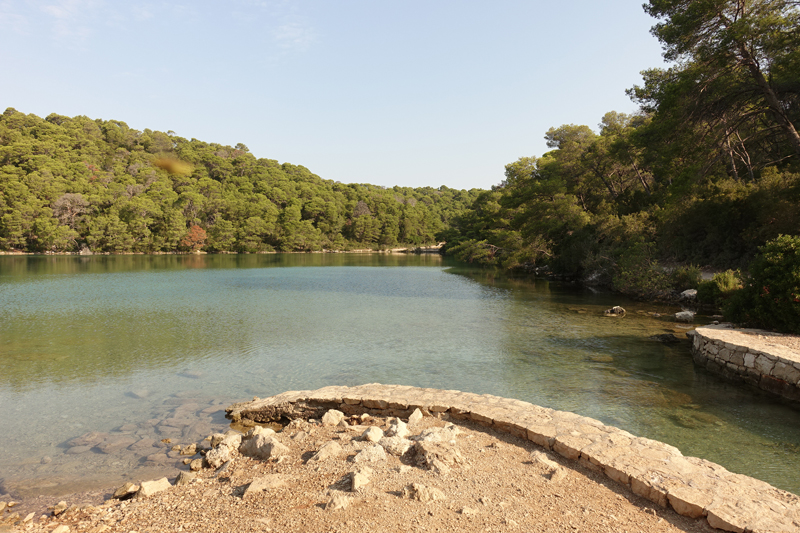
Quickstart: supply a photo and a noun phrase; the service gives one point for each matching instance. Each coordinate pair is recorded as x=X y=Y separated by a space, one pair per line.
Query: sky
x=412 y=93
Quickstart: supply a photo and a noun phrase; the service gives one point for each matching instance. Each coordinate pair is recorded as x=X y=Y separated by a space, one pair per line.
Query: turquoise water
x=152 y=347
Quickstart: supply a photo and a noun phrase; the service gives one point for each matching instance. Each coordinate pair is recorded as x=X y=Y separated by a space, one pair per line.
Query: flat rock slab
x=651 y=469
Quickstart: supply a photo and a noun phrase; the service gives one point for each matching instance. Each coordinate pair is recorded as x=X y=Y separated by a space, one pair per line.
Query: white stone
x=371 y=454
x=415 y=417
x=684 y=316
x=149 y=488
x=263 y=446
x=358 y=481
x=372 y=434
x=216 y=457
x=397 y=428
x=419 y=492
x=395 y=445
x=332 y=417
x=327 y=451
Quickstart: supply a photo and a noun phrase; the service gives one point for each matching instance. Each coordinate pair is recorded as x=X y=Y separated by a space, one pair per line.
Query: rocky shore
x=363 y=473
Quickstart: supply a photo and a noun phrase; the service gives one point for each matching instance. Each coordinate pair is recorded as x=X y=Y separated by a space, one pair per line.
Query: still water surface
x=141 y=348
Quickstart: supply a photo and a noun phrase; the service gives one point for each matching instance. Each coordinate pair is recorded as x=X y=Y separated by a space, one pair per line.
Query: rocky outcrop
x=746 y=355
x=659 y=472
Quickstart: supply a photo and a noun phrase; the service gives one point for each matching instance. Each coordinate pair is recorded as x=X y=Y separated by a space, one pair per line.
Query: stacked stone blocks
x=746 y=355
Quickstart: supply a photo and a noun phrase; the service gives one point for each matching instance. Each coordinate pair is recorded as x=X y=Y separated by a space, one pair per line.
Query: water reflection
x=127 y=345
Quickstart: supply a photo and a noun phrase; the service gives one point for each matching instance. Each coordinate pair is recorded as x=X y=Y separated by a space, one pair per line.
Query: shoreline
x=641 y=468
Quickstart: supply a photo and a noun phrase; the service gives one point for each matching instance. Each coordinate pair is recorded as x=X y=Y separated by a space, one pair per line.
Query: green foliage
x=770 y=297
x=719 y=288
x=69 y=183
x=684 y=277
x=639 y=275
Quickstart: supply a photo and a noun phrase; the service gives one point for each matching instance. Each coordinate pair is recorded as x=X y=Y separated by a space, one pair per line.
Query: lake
x=132 y=350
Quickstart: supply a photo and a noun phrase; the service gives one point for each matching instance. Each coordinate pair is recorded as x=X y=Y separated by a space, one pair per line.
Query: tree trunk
x=772 y=100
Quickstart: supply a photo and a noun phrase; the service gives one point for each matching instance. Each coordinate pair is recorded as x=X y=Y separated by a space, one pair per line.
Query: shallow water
x=153 y=347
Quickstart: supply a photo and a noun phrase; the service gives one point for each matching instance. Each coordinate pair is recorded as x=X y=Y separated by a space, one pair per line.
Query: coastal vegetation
x=71 y=184
x=705 y=173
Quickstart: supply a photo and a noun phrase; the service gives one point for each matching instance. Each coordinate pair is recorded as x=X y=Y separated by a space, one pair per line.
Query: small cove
x=153 y=347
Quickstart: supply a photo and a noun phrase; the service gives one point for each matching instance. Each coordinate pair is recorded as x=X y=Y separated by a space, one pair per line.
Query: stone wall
x=748 y=356
x=659 y=472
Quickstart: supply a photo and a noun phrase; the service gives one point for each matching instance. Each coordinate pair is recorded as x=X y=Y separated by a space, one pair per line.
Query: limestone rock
x=125 y=491
x=372 y=434
x=397 y=428
x=446 y=434
x=437 y=456
x=421 y=493
x=684 y=316
x=615 y=311
x=184 y=478
x=371 y=454
x=58 y=508
x=337 y=501
x=688 y=294
x=358 y=480
x=327 y=451
x=415 y=417
x=666 y=338
x=264 y=484
x=217 y=456
x=149 y=488
x=189 y=449
x=395 y=445
x=61 y=529
x=195 y=465
x=557 y=475
x=332 y=417
x=233 y=440
x=216 y=438
x=263 y=446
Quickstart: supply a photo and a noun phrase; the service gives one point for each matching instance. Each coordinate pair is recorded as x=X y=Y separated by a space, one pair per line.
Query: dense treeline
x=706 y=172
x=68 y=184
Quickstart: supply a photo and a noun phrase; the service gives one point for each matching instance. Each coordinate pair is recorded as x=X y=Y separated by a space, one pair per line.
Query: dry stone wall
x=746 y=355
x=657 y=471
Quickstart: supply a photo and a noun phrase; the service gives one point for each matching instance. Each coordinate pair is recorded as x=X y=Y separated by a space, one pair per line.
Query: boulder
x=437 y=456
x=195 y=465
x=217 y=456
x=332 y=417
x=684 y=316
x=327 y=451
x=397 y=428
x=446 y=434
x=125 y=491
x=395 y=445
x=615 y=311
x=371 y=454
x=666 y=338
x=421 y=493
x=372 y=434
x=149 y=488
x=263 y=446
x=358 y=480
x=688 y=295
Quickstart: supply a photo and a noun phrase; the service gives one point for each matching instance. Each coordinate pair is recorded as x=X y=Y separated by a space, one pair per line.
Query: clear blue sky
x=413 y=93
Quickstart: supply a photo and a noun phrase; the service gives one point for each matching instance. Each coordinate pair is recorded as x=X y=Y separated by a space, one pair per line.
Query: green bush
x=770 y=298
x=684 y=277
x=638 y=275
x=719 y=288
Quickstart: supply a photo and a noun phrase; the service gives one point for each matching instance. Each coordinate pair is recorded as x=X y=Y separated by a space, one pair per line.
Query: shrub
x=770 y=297
x=719 y=288
x=637 y=274
x=685 y=277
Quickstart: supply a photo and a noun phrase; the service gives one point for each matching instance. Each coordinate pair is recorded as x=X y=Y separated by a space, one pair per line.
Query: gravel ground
x=494 y=482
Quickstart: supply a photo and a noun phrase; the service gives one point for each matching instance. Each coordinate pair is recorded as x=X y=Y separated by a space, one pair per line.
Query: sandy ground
x=495 y=482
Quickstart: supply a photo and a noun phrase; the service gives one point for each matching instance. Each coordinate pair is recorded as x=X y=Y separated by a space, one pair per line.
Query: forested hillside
x=68 y=184
x=706 y=172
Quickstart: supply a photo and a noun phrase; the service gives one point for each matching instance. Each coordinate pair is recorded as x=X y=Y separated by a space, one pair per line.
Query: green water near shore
x=152 y=347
